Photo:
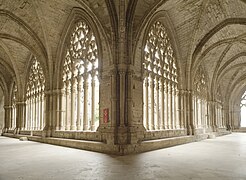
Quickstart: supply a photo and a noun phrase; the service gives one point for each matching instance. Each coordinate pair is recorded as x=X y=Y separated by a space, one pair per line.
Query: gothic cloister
x=120 y=76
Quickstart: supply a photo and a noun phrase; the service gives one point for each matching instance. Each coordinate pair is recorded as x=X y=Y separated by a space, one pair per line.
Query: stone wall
x=1 y=113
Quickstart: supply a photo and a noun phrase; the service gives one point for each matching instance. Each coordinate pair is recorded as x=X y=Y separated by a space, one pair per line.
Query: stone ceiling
x=210 y=33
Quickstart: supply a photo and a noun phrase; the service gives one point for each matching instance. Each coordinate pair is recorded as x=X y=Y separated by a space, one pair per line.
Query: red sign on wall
x=105 y=115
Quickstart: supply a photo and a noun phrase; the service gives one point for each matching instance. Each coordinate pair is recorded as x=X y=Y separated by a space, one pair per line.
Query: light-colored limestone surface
x=223 y=158
x=118 y=73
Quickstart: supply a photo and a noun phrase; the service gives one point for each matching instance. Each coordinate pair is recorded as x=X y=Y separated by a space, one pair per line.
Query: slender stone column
x=7 y=110
x=85 y=123
x=213 y=114
x=147 y=103
x=21 y=108
x=162 y=96
x=174 y=111
x=45 y=110
x=30 y=113
x=221 y=121
x=215 y=108
x=79 y=105
x=38 y=110
x=189 y=111
x=33 y=112
x=48 y=99
x=152 y=90
x=11 y=118
x=93 y=108
x=218 y=114
x=203 y=113
x=209 y=114
x=14 y=120
x=182 y=110
x=166 y=105
x=68 y=104
x=73 y=104
x=27 y=114
x=206 y=113
x=41 y=100
x=170 y=121
x=177 y=104
x=19 y=120
x=158 y=122
x=62 y=104
x=223 y=117
x=195 y=110
x=57 y=108
x=200 y=112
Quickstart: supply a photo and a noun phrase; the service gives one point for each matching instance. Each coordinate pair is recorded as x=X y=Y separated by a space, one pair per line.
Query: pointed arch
x=200 y=99
x=35 y=89
x=80 y=77
x=160 y=86
x=104 y=52
x=162 y=17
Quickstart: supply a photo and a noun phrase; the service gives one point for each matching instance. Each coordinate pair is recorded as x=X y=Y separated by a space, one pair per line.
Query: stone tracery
x=13 y=113
x=35 y=97
x=160 y=88
x=200 y=86
x=80 y=80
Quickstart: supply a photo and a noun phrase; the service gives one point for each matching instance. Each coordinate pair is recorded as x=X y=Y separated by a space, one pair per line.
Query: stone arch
x=205 y=39
x=26 y=27
x=27 y=73
x=221 y=71
x=160 y=71
x=104 y=52
x=5 y=89
x=237 y=84
x=201 y=82
x=213 y=31
x=200 y=86
x=233 y=101
x=36 y=46
x=164 y=18
x=35 y=87
x=12 y=67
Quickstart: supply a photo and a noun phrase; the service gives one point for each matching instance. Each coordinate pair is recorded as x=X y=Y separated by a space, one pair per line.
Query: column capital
x=122 y=71
x=7 y=107
x=21 y=103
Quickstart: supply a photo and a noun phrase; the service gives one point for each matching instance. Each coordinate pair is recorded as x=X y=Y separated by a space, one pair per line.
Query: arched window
x=243 y=110
x=13 y=113
x=219 y=110
x=160 y=90
x=35 y=97
x=80 y=80
x=200 y=86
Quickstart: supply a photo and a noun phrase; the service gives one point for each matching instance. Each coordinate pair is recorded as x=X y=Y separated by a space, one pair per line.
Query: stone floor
x=223 y=158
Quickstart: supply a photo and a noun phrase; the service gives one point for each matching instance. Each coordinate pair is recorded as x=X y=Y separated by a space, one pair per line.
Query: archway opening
x=1 y=110
x=243 y=110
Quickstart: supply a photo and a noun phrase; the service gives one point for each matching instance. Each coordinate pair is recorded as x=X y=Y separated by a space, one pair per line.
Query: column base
x=79 y=128
x=73 y=128
x=85 y=128
x=93 y=127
